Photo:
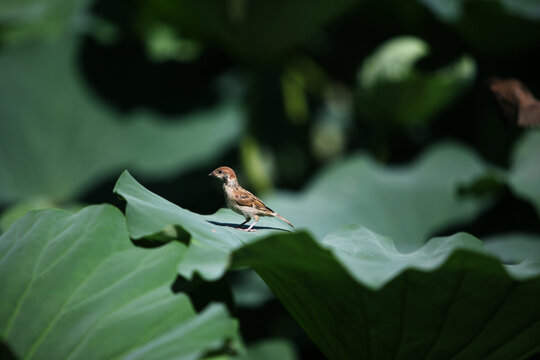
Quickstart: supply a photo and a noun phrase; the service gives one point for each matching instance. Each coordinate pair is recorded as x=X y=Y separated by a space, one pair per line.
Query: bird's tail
x=282 y=218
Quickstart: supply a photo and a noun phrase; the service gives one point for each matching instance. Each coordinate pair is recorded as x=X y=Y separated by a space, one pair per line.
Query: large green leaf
x=524 y=174
x=358 y=297
x=74 y=287
x=392 y=90
x=354 y=292
x=408 y=203
x=213 y=237
x=514 y=247
x=56 y=140
x=12 y=214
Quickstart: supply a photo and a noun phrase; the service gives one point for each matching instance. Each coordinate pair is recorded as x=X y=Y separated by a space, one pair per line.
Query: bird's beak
x=211 y=174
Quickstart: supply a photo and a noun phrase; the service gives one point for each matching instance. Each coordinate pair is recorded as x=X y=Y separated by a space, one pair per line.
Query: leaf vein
x=455 y=292
x=487 y=322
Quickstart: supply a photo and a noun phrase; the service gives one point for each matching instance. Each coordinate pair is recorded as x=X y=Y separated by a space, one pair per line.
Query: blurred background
x=277 y=90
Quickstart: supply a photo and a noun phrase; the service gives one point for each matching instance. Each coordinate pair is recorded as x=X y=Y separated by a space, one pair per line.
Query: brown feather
x=516 y=103
x=242 y=201
x=245 y=198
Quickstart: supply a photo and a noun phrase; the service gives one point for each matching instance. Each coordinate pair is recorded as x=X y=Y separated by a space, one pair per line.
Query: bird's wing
x=243 y=197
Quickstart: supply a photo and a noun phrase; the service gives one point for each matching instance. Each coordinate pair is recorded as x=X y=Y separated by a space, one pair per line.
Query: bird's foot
x=247 y=230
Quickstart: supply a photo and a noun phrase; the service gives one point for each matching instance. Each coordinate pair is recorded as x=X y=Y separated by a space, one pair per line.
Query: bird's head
x=224 y=173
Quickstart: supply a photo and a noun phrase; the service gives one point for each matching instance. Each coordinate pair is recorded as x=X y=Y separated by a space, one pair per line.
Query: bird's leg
x=255 y=219
x=245 y=222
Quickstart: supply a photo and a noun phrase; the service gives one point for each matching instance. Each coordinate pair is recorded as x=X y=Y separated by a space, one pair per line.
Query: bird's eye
x=220 y=172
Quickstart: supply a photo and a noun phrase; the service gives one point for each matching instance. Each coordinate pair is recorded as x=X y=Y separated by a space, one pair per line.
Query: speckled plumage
x=242 y=201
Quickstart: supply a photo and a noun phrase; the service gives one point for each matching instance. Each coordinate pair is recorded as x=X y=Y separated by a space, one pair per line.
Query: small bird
x=242 y=201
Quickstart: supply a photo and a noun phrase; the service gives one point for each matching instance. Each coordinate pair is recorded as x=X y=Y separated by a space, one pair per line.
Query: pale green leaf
x=393 y=90
x=26 y=20
x=57 y=140
x=74 y=287
x=408 y=203
x=361 y=294
x=213 y=237
x=393 y=61
x=514 y=247
x=524 y=174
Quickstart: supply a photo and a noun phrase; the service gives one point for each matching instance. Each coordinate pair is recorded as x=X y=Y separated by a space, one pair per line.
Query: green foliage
x=359 y=274
x=75 y=287
x=210 y=245
x=347 y=289
x=447 y=299
x=270 y=350
x=391 y=90
x=357 y=265
x=249 y=29
x=525 y=171
x=393 y=202
x=515 y=247
x=57 y=140
x=407 y=203
x=34 y=19
x=502 y=27
x=14 y=213
x=454 y=9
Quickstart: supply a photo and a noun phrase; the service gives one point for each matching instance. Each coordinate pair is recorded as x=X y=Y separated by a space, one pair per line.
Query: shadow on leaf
x=244 y=227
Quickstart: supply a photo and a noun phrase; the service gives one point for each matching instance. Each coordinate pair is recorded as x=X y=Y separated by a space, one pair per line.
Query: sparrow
x=242 y=201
